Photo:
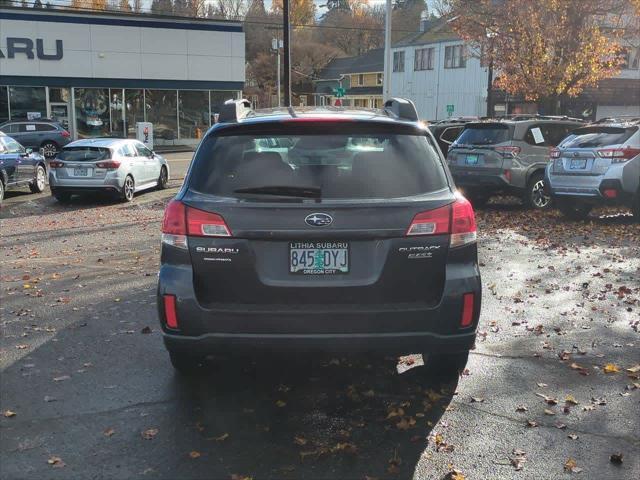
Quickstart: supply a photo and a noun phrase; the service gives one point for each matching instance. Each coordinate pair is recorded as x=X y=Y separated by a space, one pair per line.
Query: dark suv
x=38 y=134
x=320 y=230
x=507 y=156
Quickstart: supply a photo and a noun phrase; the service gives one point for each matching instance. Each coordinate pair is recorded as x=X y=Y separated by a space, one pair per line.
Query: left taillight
x=65 y=133
x=456 y=219
x=181 y=221
x=174 y=225
x=508 y=150
x=56 y=164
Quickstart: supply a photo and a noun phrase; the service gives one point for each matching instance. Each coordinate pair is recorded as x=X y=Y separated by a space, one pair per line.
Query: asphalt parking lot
x=88 y=392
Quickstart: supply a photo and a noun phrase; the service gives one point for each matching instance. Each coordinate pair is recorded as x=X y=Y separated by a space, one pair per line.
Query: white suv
x=598 y=164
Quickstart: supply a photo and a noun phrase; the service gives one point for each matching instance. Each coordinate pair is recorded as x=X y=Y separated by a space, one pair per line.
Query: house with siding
x=361 y=77
x=444 y=76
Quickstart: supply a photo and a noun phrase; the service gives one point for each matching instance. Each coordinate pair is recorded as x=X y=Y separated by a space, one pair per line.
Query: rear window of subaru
x=84 y=154
x=598 y=136
x=332 y=160
x=484 y=134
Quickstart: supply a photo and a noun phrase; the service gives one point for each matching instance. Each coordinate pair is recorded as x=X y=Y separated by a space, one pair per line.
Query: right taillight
x=618 y=155
x=456 y=219
x=170 y=312
x=463 y=223
x=181 y=221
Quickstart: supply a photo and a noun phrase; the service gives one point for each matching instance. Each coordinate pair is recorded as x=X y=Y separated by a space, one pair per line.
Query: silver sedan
x=118 y=166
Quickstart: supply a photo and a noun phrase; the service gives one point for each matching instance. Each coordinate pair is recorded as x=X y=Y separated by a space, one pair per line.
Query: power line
x=64 y=7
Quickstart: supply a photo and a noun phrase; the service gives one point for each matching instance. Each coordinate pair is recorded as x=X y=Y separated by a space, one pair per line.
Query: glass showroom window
x=161 y=109
x=92 y=112
x=194 y=113
x=217 y=100
x=4 y=104
x=28 y=102
x=134 y=110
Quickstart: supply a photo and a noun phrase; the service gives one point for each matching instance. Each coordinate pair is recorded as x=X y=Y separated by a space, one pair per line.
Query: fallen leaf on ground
x=521 y=408
x=61 y=378
x=194 y=454
x=8 y=414
x=519 y=459
x=150 y=433
x=281 y=403
x=300 y=441
x=108 y=432
x=635 y=369
x=395 y=412
x=611 y=368
x=406 y=423
x=454 y=474
x=56 y=462
x=394 y=463
x=549 y=400
x=221 y=438
x=571 y=400
x=532 y=423
x=616 y=458
x=572 y=436
x=235 y=476
x=477 y=399
x=571 y=466
x=549 y=412
x=146 y=330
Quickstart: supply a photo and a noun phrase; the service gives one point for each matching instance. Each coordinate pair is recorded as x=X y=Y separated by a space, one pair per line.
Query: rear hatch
x=317 y=213
x=482 y=146
x=587 y=151
x=83 y=163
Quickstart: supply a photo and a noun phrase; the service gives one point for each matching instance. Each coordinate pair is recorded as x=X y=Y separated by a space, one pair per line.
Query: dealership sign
x=25 y=46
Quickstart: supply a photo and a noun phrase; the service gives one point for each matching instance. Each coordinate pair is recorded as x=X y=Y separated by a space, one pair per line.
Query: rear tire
x=128 y=189
x=40 y=182
x=574 y=210
x=62 y=197
x=185 y=363
x=163 y=179
x=446 y=364
x=49 y=149
x=534 y=196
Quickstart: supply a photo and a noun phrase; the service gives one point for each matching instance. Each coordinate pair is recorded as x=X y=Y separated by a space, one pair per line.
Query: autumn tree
x=544 y=50
x=301 y=12
x=352 y=27
x=89 y=4
x=124 y=6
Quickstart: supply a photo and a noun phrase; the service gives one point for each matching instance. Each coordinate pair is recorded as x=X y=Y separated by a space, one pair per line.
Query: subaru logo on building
x=319 y=219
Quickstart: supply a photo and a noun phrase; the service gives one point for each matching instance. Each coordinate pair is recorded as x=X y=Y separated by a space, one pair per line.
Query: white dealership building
x=101 y=73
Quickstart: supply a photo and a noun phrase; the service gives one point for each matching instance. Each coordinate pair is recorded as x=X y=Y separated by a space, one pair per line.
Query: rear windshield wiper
x=304 y=192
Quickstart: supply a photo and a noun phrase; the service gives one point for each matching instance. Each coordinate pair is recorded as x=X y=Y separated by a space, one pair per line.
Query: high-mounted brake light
x=180 y=221
x=456 y=219
x=109 y=164
x=618 y=155
x=170 y=312
x=56 y=164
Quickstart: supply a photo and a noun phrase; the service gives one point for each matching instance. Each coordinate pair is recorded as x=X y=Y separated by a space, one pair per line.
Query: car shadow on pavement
x=302 y=417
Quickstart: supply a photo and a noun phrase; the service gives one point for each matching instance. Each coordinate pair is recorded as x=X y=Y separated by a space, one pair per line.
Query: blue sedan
x=20 y=166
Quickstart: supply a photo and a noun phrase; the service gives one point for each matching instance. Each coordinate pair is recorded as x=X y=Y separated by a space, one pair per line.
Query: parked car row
x=42 y=134
x=119 y=167
x=545 y=160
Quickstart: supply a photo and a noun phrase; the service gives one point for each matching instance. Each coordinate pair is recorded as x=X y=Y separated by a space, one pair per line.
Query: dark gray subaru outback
x=319 y=229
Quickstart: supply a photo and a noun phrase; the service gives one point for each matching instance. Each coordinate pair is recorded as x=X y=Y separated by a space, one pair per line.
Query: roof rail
x=401 y=108
x=632 y=119
x=234 y=110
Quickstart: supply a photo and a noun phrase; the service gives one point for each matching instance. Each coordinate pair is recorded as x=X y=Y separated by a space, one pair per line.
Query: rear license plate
x=80 y=172
x=319 y=258
x=578 y=164
x=472 y=159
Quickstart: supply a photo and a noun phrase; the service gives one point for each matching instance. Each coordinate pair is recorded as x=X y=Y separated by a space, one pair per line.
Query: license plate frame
x=80 y=172
x=578 y=164
x=335 y=257
x=472 y=159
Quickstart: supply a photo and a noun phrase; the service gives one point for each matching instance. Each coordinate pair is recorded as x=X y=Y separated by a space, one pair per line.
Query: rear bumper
x=589 y=189
x=406 y=342
x=408 y=328
x=488 y=180
x=110 y=184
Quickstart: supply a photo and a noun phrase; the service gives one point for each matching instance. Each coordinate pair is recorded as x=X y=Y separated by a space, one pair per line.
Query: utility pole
x=386 y=93
x=276 y=44
x=287 y=53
